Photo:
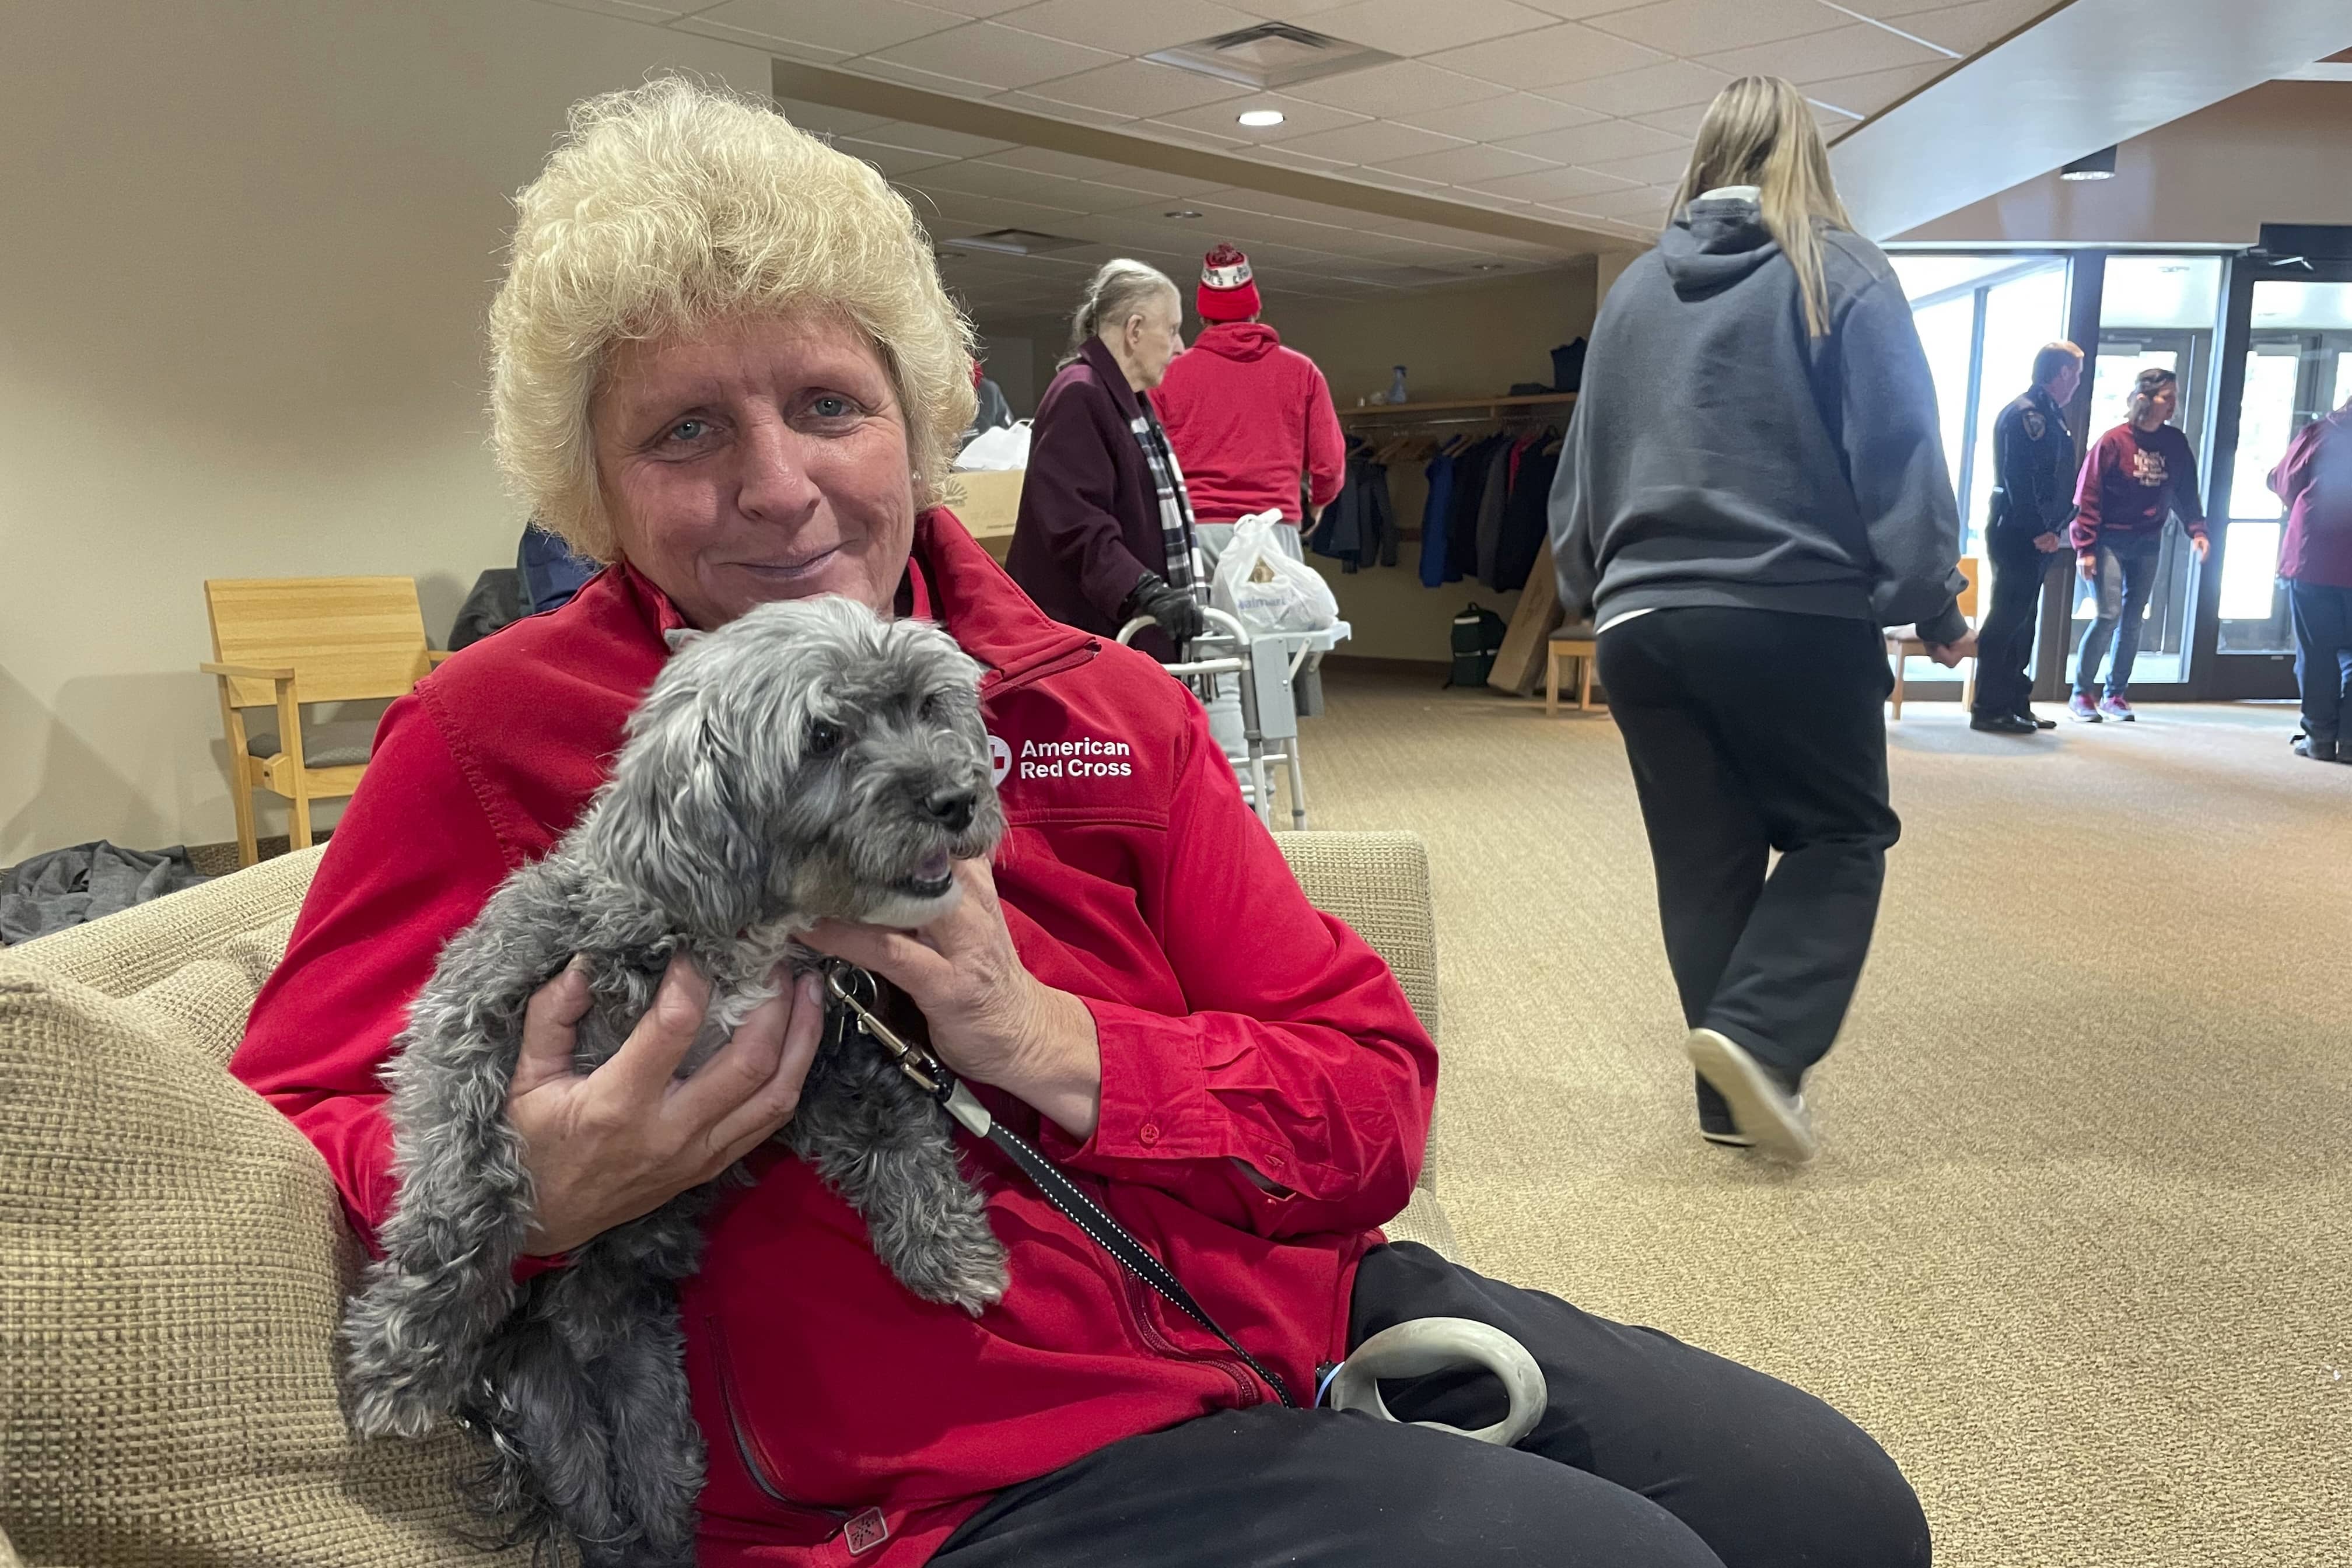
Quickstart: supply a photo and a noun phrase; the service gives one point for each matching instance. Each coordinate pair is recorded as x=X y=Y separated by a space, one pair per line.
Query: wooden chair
x=1575 y=643
x=1903 y=642
x=282 y=642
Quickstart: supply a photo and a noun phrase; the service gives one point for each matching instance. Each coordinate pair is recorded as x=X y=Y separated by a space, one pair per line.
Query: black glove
x=1178 y=613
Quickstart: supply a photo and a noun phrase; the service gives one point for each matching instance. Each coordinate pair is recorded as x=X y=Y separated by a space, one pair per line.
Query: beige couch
x=173 y=1255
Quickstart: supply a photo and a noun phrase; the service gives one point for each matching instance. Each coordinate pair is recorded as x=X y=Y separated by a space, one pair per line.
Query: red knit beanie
x=1227 y=292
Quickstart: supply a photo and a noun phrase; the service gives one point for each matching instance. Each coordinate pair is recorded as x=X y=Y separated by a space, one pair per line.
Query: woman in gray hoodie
x=1754 y=485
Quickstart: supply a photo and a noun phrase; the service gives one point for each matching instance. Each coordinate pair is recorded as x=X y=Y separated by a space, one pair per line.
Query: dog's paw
x=393 y=1406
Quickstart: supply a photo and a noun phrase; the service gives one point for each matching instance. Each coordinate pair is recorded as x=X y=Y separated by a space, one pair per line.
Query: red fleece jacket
x=1241 y=1032
x=1248 y=417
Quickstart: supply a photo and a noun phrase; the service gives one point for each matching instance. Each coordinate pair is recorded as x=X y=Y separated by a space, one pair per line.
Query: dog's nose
x=954 y=807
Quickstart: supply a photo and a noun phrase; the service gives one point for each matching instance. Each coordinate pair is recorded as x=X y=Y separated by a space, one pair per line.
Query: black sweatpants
x=1650 y=1454
x=1752 y=731
x=2005 y=639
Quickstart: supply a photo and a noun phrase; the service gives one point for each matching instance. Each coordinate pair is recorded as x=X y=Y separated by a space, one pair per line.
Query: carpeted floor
x=2079 y=1247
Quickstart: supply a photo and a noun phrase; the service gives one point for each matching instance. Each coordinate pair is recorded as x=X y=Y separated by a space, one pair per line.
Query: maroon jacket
x=2133 y=481
x=1266 y=1090
x=2314 y=479
x=1089 y=524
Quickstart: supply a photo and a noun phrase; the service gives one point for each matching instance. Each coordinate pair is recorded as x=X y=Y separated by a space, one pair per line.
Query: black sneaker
x=1769 y=1111
x=1715 y=1123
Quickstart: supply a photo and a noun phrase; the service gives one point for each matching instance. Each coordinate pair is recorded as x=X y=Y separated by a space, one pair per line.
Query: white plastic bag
x=1259 y=584
x=1006 y=446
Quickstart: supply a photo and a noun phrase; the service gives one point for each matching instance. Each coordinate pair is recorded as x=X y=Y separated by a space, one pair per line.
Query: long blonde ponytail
x=1758 y=131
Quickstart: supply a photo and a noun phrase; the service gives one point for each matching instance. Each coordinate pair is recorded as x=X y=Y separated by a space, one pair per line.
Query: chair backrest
x=345 y=637
x=1967 y=597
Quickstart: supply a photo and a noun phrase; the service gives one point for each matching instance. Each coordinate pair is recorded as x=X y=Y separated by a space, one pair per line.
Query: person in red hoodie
x=2315 y=481
x=2133 y=479
x=1252 y=425
x=724 y=365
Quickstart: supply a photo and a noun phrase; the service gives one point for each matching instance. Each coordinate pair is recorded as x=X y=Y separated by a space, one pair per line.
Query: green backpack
x=1477 y=638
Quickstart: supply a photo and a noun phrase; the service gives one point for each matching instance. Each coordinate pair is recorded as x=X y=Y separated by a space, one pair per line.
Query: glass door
x=2297 y=365
x=2155 y=311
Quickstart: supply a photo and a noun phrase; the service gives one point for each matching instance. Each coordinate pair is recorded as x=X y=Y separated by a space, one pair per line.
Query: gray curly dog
x=808 y=761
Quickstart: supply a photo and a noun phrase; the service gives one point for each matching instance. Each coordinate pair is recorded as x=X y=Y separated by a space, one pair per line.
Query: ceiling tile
x=929 y=81
x=946 y=212
x=654 y=11
x=1886 y=9
x=1671 y=84
x=1134 y=88
x=977 y=178
x=1843 y=52
x=1412 y=28
x=1650 y=168
x=1867 y=94
x=1588 y=144
x=826 y=119
x=1375 y=142
x=1970 y=28
x=857 y=29
x=767 y=42
x=1391 y=90
x=976 y=7
x=1683 y=121
x=1072 y=165
x=1646 y=204
x=1577 y=10
x=1306 y=162
x=1698 y=27
x=1568 y=52
x=932 y=138
x=1461 y=165
x=1070 y=113
x=990 y=52
x=892 y=161
x=1300 y=118
x=1555 y=184
x=1127 y=29
x=1494 y=118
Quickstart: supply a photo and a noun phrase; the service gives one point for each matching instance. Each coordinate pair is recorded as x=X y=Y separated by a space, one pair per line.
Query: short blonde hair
x=669 y=206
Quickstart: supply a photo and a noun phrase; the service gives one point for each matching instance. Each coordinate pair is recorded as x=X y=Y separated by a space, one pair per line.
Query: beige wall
x=248 y=252
x=2274 y=154
x=1468 y=340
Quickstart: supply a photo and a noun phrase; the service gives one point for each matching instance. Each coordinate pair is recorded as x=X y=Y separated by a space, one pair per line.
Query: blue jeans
x=2323 y=655
x=2127 y=577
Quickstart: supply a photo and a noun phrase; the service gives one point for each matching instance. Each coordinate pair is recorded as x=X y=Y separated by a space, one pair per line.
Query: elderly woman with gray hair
x=724 y=366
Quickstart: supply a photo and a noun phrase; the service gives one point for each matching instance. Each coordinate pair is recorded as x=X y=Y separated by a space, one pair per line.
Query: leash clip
x=842 y=982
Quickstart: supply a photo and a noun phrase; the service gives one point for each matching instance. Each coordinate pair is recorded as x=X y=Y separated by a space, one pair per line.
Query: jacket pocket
x=806 y=1523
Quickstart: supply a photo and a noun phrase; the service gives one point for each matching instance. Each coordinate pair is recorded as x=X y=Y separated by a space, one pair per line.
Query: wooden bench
x=1576 y=644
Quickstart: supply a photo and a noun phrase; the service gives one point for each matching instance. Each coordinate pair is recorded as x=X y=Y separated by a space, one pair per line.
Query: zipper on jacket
x=1142 y=1304
x=1082 y=654
x=747 y=1446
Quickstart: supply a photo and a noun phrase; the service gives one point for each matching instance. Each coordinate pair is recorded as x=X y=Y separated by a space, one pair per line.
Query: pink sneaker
x=2082 y=709
x=2116 y=708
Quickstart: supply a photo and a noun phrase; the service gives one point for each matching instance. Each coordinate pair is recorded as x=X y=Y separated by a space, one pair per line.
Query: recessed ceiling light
x=1181 y=212
x=1487 y=267
x=2098 y=166
x=1257 y=118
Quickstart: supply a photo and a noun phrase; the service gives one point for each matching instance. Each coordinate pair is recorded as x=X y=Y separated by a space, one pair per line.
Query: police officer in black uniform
x=2033 y=459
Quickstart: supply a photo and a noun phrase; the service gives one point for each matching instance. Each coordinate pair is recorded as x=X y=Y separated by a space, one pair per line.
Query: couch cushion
x=173 y=1262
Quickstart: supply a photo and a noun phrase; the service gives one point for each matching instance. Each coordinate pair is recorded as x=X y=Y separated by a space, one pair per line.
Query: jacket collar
x=2039 y=395
x=1096 y=353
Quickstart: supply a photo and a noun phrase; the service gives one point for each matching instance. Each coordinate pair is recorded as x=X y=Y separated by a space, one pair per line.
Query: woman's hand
x=621 y=1142
x=1950 y=654
x=2088 y=564
x=990 y=1020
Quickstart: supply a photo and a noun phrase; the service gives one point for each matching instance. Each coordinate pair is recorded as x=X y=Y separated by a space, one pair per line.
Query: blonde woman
x=1755 y=486
x=725 y=366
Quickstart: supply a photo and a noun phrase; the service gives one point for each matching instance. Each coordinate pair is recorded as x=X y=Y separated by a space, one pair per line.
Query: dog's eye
x=824 y=739
x=933 y=707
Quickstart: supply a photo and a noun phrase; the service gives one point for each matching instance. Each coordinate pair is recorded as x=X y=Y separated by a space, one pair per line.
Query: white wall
x=249 y=246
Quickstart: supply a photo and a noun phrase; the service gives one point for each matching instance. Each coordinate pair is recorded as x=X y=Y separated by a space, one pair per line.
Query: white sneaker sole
x=1758 y=1106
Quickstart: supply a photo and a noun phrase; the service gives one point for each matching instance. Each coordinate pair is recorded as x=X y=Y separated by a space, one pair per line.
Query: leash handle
x=850 y=985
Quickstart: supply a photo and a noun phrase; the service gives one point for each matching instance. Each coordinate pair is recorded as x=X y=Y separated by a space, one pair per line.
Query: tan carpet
x=2076 y=1249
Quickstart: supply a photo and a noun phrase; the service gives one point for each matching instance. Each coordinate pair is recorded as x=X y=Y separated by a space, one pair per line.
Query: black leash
x=845 y=982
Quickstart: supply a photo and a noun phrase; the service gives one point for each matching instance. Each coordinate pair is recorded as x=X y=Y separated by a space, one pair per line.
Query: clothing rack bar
x=1487 y=407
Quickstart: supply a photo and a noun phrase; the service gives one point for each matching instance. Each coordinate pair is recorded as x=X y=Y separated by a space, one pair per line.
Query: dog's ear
x=679 y=636
x=673 y=824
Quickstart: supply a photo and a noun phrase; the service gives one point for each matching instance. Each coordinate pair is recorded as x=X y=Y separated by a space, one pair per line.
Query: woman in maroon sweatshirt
x=2135 y=477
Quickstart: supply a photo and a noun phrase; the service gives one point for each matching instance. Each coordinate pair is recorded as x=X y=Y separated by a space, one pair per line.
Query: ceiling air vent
x=1273 y=54
x=1017 y=241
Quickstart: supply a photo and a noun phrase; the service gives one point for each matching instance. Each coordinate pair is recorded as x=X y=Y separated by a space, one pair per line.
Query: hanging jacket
x=1492 y=496
x=1264 y=1106
x=1248 y=419
x=1525 y=515
x=1434 y=512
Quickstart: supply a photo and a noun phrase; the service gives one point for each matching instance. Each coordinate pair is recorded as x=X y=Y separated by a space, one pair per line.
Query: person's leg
x=2320 y=637
x=1796 y=703
x=1270 y=1487
x=2139 y=568
x=2110 y=587
x=2004 y=641
x=1767 y=1474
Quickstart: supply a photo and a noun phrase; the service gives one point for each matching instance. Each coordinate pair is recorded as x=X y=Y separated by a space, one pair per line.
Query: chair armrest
x=247 y=671
x=436 y=654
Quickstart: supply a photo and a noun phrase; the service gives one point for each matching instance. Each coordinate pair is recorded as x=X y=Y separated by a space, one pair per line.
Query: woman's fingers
x=549 y=1024
x=905 y=961
x=738 y=1070
x=639 y=1073
x=755 y=1118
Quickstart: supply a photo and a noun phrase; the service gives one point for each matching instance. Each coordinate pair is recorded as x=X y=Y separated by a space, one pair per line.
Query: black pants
x=1752 y=731
x=2323 y=655
x=2005 y=639
x=1650 y=1455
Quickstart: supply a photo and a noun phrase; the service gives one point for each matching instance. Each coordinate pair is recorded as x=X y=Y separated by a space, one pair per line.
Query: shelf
x=1493 y=405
